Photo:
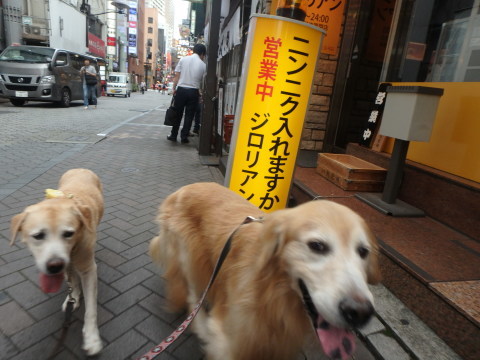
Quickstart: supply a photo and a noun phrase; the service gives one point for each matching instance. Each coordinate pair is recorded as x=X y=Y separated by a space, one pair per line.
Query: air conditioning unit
x=36 y=30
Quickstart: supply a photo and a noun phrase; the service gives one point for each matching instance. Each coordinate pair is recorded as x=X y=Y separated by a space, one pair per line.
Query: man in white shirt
x=188 y=79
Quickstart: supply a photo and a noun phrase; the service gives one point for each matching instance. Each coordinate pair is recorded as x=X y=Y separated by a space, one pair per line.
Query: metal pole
x=395 y=171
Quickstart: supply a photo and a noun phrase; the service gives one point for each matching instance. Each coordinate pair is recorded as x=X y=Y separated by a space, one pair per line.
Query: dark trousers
x=186 y=99
x=198 y=118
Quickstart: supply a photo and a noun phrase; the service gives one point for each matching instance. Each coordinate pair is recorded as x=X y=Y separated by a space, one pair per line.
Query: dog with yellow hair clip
x=61 y=233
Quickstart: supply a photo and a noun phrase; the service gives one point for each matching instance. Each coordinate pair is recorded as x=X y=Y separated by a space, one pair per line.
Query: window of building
x=150 y=30
x=437 y=41
x=150 y=20
x=149 y=42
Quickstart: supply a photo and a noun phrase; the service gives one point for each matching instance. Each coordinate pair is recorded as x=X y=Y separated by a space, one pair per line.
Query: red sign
x=111 y=41
x=132 y=24
x=96 y=46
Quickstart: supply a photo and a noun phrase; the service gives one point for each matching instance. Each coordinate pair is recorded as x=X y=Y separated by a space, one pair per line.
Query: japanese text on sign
x=278 y=148
x=268 y=67
x=282 y=56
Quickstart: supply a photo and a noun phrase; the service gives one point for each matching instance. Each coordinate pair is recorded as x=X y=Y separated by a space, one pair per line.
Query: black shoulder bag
x=171 y=116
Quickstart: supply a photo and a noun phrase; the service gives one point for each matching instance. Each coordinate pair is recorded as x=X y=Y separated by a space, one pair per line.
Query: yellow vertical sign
x=327 y=15
x=281 y=55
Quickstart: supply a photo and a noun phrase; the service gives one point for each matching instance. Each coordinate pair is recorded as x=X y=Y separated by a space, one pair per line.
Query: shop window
x=437 y=40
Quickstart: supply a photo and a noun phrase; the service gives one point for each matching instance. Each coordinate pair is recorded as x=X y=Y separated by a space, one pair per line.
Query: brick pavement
x=138 y=168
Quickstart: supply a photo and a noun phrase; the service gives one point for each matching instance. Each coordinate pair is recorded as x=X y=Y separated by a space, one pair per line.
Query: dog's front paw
x=92 y=344
x=76 y=304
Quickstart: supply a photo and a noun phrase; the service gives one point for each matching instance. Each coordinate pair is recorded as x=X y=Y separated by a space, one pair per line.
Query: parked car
x=38 y=73
x=119 y=84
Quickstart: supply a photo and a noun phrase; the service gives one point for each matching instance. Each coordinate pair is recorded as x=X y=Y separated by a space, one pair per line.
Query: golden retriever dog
x=60 y=231
x=298 y=267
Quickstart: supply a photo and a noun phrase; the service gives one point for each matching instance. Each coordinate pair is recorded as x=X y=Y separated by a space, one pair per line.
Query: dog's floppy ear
x=86 y=216
x=16 y=226
x=373 y=268
x=272 y=235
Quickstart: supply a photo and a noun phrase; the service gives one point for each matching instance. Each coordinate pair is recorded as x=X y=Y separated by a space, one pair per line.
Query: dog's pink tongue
x=337 y=343
x=51 y=283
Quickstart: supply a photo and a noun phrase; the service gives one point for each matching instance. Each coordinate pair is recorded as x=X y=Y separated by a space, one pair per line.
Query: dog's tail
x=154 y=250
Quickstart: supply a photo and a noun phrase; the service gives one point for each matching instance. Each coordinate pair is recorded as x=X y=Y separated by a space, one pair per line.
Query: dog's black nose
x=356 y=312
x=55 y=266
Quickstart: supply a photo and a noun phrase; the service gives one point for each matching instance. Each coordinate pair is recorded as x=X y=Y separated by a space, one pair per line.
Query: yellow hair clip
x=54 y=194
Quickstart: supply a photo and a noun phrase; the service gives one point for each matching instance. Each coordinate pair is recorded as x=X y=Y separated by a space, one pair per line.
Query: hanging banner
x=281 y=55
x=132 y=27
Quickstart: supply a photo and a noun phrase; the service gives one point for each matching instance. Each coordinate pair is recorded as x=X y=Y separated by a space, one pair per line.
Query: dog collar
x=57 y=194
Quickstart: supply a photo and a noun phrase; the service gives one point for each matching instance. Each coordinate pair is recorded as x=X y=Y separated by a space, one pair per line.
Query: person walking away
x=89 y=77
x=188 y=79
x=142 y=87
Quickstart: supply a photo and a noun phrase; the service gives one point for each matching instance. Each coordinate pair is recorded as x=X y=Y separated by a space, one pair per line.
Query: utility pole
x=210 y=91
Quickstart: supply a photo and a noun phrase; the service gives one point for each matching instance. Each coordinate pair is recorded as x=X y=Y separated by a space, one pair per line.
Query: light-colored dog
x=60 y=231
x=301 y=266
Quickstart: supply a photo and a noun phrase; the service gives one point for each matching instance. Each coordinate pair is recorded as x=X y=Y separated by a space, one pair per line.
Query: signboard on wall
x=96 y=46
x=327 y=15
x=132 y=27
x=281 y=55
x=372 y=124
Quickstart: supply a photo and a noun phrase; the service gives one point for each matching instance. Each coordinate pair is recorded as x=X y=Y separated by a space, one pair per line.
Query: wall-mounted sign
x=132 y=27
x=275 y=88
x=96 y=46
x=111 y=41
x=372 y=124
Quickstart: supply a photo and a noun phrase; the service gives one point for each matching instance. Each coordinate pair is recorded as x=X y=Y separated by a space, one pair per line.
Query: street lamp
x=120 y=6
x=119 y=11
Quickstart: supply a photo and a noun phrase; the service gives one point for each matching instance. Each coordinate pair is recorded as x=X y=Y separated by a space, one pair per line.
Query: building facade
x=132 y=36
x=372 y=44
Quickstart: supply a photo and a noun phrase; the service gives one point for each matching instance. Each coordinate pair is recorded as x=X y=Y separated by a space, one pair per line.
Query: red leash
x=179 y=331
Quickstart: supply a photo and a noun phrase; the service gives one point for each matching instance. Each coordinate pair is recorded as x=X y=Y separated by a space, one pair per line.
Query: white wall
x=73 y=35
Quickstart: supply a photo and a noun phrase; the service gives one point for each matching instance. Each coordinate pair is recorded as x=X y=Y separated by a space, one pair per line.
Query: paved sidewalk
x=138 y=168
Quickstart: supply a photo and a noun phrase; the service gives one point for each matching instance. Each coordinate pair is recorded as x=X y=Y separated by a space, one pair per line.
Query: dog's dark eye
x=68 y=234
x=319 y=247
x=39 y=236
x=363 y=252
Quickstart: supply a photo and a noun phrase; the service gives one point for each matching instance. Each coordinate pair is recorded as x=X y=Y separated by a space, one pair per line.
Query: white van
x=119 y=84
